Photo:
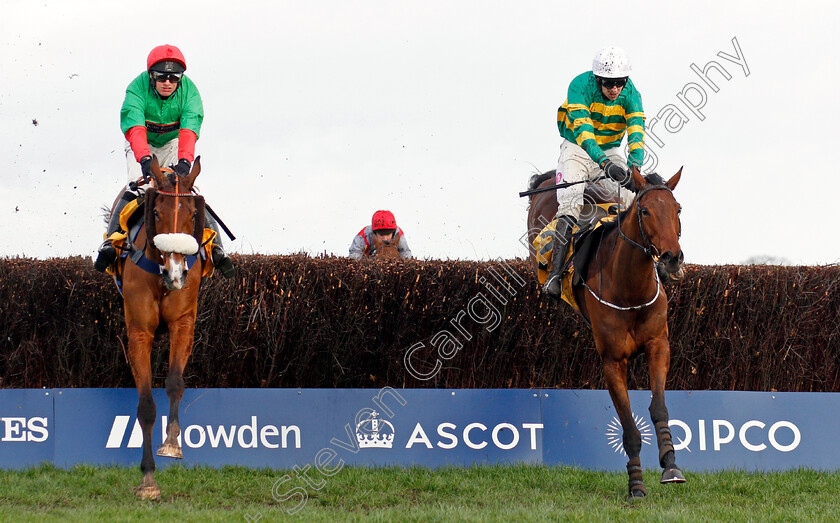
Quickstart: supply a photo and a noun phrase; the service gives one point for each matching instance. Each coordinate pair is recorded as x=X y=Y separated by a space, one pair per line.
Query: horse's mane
x=654 y=179
x=651 y=178
x=537 y=179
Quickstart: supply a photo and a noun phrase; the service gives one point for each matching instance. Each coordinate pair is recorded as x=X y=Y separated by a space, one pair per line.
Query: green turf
x=487 y=493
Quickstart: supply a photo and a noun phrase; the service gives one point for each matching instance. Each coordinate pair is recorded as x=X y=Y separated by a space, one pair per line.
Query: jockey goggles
x=162 y=77
x=609 y=83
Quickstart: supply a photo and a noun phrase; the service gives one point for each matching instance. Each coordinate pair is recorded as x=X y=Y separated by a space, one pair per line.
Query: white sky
x=318 y=113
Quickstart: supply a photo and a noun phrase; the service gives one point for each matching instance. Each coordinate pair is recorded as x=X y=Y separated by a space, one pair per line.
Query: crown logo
x=375 y=433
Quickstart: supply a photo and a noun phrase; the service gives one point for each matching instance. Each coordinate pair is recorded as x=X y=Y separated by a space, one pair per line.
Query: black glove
x=183 y=167
x=614 y=171
x=146 y=166
x=617 y=173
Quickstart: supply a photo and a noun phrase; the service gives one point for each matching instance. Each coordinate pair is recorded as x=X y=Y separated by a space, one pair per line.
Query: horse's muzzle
x=673 y=264
x=173 y=282
x=174 y=272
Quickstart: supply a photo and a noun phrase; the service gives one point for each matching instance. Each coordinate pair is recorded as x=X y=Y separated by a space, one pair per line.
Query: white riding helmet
x=611 y=62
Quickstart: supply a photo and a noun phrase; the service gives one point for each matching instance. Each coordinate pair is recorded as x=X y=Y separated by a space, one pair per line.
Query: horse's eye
x=644 y=211
x=157 y=215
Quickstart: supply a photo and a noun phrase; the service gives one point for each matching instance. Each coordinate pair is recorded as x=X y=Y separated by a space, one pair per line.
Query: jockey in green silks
x=161 y=115
x=602 y=106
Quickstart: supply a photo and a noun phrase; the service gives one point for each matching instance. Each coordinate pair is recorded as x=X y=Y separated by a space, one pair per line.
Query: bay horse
x=626 y=305
x=385 y=249
x=170 y=238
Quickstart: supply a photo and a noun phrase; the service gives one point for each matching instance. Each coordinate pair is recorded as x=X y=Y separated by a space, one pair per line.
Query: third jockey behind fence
x=384 y=225
x=161 y=115
x=601 y=106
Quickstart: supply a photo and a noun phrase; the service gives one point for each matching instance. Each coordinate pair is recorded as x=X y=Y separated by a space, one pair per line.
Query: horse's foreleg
x=139 y=350
x=659 y=356
x=181 y=340
x=615 y=374
x=174 y=390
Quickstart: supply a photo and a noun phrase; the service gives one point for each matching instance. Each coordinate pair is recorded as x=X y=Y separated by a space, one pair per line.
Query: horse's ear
x=160 y=179
x=672 y=183
x=396 y=241
x=638 y=180
x=196 y=169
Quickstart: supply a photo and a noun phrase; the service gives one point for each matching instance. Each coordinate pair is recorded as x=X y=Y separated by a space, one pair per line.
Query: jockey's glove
x=617 y=173
x=146 y=166
x=183 y=167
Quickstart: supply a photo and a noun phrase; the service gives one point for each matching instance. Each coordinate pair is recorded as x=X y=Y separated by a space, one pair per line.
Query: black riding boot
x=107 y=253
x=220 y=258
x=562 y=238
x=222 y=261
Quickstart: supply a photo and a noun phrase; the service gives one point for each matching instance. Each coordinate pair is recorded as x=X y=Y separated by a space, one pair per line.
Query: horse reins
x=634 y=307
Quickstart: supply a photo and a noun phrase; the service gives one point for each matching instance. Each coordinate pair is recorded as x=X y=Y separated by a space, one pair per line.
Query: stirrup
x=107 y=255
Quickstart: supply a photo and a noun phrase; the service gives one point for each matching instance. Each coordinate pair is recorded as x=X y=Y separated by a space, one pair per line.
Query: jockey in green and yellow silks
x=602 y=107
x=591 y=120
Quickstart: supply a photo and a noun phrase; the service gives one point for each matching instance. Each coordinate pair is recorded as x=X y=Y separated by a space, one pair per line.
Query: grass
x=486 y=493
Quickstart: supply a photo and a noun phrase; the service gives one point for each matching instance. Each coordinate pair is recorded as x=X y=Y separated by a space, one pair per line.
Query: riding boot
x=107 y=252
x=222 y=261
x=220 y=258
x=562 y=238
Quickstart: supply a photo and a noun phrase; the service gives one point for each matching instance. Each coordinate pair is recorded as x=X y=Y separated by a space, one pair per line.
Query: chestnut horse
x=380 y=248
x=627 y=307
x=170 y=239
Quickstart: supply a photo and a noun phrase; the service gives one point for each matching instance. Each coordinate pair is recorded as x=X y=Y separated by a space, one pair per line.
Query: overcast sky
x=318 y=113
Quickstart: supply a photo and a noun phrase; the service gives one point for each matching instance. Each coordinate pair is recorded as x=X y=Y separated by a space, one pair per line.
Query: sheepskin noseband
x=176 y=242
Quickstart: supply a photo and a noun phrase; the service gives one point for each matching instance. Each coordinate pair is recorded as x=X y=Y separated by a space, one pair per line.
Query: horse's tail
x=106 y=214
x=537 y=179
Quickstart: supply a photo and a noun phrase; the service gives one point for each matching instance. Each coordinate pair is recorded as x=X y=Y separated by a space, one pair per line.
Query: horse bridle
x=650 y=249
x=198 y=225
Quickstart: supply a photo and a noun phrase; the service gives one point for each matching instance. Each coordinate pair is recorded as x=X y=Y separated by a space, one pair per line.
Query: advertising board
x=327 y=428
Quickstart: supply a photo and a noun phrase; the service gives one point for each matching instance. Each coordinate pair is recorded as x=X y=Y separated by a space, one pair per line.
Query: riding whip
x=558 y=186
x=219 y=221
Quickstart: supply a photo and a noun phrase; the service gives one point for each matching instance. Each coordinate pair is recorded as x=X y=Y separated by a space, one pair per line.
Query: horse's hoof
x=637 y=494
x=169 y=450
x=673 y=475
x=148 y=492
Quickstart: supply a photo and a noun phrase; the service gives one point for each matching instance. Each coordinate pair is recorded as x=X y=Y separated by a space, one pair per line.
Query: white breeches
x=166 y=156
x=575 y=165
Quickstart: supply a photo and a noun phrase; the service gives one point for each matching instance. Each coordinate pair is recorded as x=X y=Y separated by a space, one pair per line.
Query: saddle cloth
x=585 y=238
x=131 y=221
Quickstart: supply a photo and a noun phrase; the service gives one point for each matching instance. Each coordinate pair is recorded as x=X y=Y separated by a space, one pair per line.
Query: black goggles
x=609 y=83
x=162 y=77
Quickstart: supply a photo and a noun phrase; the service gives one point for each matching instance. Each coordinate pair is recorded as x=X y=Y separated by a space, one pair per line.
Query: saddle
x=586 y=237
x=123 y=241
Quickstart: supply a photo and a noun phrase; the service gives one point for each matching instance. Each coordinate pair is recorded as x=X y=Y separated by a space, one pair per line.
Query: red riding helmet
x=383 y=220
x=172 y=57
